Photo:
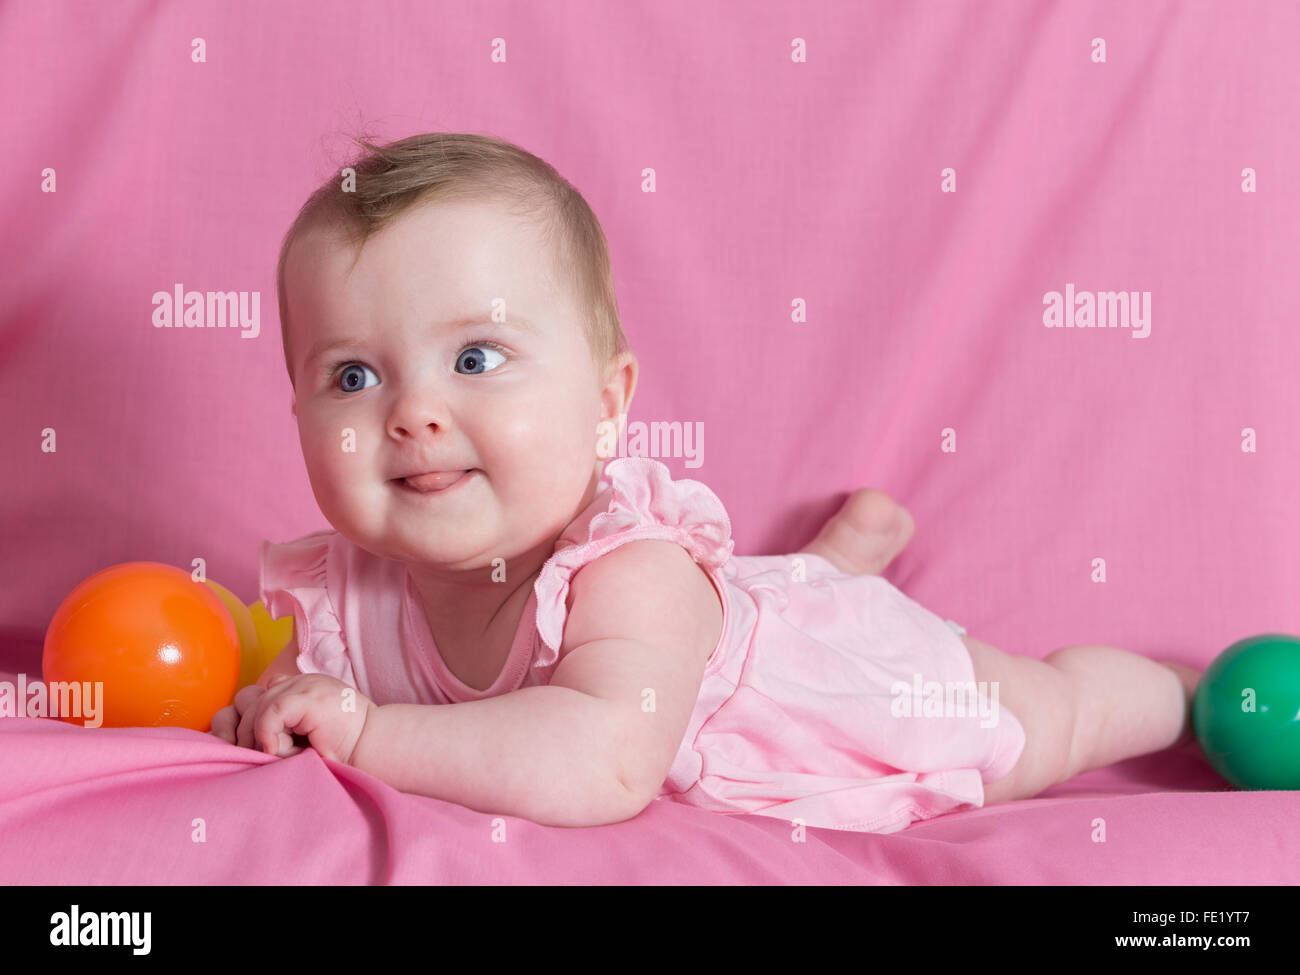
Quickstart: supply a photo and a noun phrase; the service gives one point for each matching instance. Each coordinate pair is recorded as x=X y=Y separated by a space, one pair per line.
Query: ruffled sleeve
x=292 y=580
x=643 y=502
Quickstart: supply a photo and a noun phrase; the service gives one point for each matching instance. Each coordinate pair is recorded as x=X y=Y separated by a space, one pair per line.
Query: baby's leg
x=865 y=535
x=1083 y=708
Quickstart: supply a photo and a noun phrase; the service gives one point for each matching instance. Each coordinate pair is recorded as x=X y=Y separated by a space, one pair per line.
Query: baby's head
x=453 y=310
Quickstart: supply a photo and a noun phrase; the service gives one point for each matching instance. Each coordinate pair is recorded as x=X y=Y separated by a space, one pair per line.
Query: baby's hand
x=226 y=724
x=328 y=712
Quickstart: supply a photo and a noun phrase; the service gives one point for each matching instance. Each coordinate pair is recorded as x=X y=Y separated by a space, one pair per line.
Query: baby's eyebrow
x=464 y=321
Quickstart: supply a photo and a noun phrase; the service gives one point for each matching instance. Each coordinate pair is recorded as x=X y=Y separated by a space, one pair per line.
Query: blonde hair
x=392 y=178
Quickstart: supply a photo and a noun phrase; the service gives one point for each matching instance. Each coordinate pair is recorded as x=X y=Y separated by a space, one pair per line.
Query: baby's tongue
x=434 y=482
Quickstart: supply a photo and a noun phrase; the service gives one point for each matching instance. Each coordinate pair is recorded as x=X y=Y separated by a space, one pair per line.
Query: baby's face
x=419 y=388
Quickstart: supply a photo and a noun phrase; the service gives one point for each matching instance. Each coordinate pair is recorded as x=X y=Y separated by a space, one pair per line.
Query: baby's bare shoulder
x=649 y=590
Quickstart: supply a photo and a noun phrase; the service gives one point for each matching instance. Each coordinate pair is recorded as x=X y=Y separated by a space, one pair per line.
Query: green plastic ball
x=1246 y=712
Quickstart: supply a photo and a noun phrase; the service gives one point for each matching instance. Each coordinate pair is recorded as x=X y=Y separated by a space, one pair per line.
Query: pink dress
x=815 y=706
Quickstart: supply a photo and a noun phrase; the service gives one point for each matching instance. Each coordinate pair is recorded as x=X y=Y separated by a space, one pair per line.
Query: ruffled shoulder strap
x=642 y=501
x=293 y=579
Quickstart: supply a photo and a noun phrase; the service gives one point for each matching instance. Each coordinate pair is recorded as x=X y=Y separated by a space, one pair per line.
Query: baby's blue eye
x=475 y=358
x=350 y=379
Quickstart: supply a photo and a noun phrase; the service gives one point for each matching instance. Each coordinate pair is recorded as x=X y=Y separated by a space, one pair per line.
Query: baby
x=507 y=617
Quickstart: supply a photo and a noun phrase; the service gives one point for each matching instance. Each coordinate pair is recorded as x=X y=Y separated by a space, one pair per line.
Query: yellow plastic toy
x=260 y=638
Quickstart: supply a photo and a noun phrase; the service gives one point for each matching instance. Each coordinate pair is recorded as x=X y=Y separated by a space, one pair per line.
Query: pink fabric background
x=776 y=180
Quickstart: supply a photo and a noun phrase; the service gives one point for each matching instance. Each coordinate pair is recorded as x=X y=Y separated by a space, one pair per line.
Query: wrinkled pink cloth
x=795 y=715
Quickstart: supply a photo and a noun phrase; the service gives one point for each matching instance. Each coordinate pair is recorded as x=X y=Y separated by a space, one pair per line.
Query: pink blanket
x=172 y=806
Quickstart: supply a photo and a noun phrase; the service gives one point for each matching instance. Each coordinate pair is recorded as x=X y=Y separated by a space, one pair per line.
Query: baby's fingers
x=246 y=703
x=277 y=722
x=224 y=722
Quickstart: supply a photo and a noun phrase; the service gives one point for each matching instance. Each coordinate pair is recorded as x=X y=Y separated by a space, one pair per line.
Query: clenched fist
x=329 y=713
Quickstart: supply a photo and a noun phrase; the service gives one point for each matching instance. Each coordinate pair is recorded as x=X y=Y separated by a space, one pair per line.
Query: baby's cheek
x=333 y=456
x=514 y=433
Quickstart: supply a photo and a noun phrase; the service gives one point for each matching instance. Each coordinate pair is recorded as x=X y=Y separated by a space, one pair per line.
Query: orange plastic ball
x=164 y=646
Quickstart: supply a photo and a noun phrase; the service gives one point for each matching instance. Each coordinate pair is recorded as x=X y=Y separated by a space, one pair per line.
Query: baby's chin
x=404 y=539
x=457 y=556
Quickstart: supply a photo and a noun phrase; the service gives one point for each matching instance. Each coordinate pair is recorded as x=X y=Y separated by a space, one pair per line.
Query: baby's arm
x=596 y=744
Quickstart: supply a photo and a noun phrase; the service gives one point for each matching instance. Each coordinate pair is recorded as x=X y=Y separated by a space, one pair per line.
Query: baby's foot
x=865 y=535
